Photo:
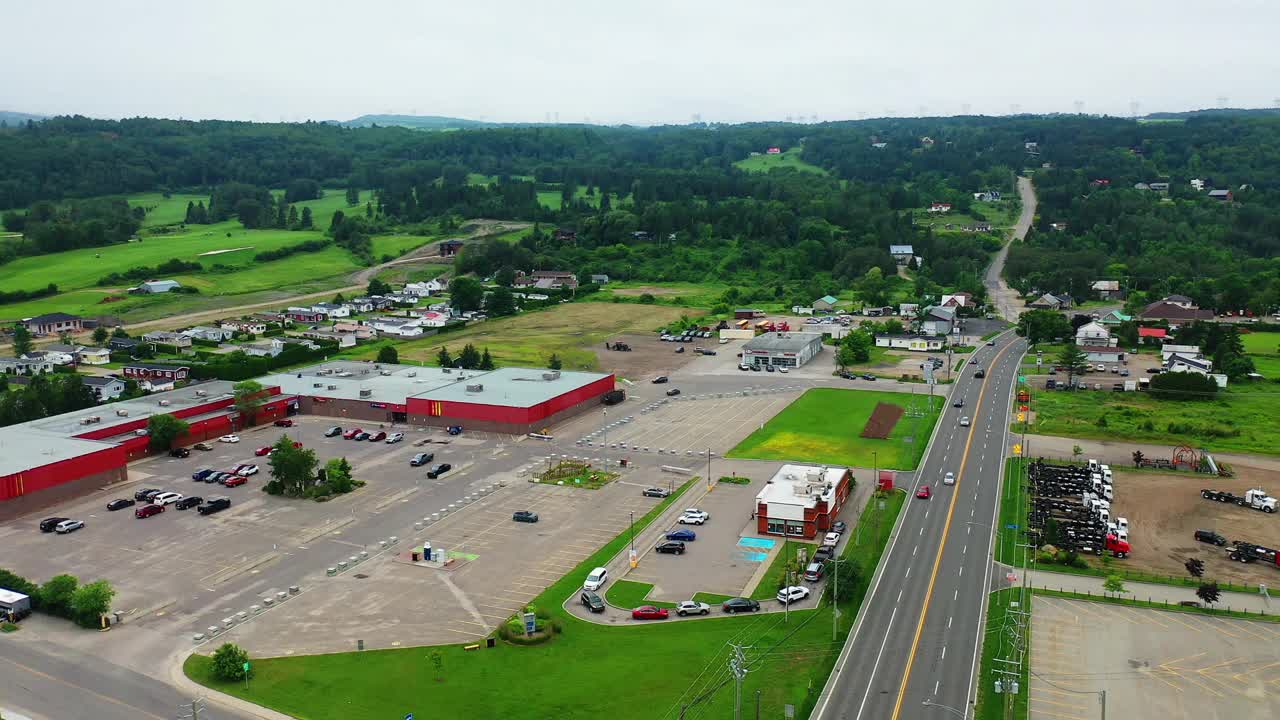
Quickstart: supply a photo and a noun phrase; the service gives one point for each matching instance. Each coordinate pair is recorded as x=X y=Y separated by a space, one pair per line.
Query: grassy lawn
x=631 y=594
x=574 y=331
x=788 y=663
x=163 y=210
x=1000 y=642
x=823 y=426
x=1240 y=419
x=678 y=293
x=397 y=245
x=1264 y=349
x=788 y=159
x=551 y=198
x=1013 y=511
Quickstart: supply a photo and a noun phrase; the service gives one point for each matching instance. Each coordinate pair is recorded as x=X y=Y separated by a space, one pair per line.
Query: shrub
x=8 y=627
x=229 y=661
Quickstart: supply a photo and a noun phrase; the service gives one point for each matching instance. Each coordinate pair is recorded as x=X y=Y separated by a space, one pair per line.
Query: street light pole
x=633 y=534
x=948 y=708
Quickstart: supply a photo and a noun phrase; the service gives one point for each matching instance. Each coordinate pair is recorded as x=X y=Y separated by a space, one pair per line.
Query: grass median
x=650 y=669
x=1004 y=634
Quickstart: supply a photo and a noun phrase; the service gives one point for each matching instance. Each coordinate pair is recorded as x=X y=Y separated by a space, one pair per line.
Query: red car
x=284 y=423
x=351 y=433
x=924 y=493
x=235 y=480
x=649 y=612
x=264 y=450
x=147 y=511
x=378 y=437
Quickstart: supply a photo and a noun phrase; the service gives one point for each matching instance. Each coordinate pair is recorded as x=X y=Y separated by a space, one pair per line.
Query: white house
x=270 y=347
x=344 y=340
x=1168 y=350
x=908 y=309
x=423 y=289
x=801 y=310
x=359 y=305
x=1102 y=353
x=248 y=326
x=922 y=343
x=430 y=318
x=59 y=353
x=94 y=356
x=1187 y=363
x=157 y=286
x=397 y=327
x=1095 y=334
x=104 y=388
x=902 y=253
x=960 y=299
x=332 y=310
x=164 y=337
x=25 y=365
x=212 y=334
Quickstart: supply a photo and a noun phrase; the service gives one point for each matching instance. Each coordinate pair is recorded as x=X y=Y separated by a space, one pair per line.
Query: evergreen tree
x=368 y=210
x=191 y=213
x=281 y=216
x=470 y=357
x=486 y=360
x=293 y=218
x=554 y=363
x=336 y=222
x=443 y=359
x=605 y=206
x=305 y=221
x=353 y=196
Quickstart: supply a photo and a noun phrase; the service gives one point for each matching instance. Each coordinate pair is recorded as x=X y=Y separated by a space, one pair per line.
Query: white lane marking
x=875 y=667
x=922 y=531
x=968 y=529
x=926 y=514
x=935 y=687
x=955 y=595
x=908 y=573
x=964 y=549
x=961 y=571
x=899 y=596
x=913 y=550
x=944 y=652
x=949 y=623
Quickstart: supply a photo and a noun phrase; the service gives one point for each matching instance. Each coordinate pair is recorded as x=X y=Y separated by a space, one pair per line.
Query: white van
x=596 y=579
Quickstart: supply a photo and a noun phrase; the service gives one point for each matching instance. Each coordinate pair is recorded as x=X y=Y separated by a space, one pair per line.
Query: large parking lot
x=1153 y=664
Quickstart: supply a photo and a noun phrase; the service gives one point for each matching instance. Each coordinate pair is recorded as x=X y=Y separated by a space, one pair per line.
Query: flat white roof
x=9 y=596
x=802 y=485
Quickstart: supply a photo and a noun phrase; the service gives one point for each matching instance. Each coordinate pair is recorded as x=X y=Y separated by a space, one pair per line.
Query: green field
x=1264 y=349
x=788 y=159
x=630 y=594
x=163 y=210
x=823 y=426
x=678 y=293
x=551 y=198
x=788 y=663
x=1240 y=419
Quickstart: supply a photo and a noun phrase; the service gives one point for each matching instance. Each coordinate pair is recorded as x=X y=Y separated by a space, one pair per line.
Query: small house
x=826 y=303
x=153 y=287
x=25 y=365
x=211 y=334
x=1107 y=289
x=773 y=151
x=1049 y=301
x=164 y=337
x=957 y=300
x=123 y=344
x=270 y=347
x=918 y=343
x=104 y=389
x=940 y=207
x=1221 y=195
x=1152 y=335
x=1094 y=334
x=94 y=356
x=1102 y=353
x=938 y=321
x=902 y=254
x=599 y=279
x=53 y=324
x=61 y=353
x=332 y=310
x=1115 y=317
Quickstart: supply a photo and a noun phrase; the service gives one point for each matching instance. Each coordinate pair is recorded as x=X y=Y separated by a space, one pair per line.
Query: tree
x=120 y=332
x=469 y=358
x=1183 y=386
x=1194 y=566
x=1209 y=592
x=855 y=348
x=1043 y=325
x=305 y=222
x=250 y=213
x=100 y=335
x=294 y=468
x=505 y=276
x=21 y=340
x=500 y=302
x=847 y=576
x=465 y=294
x=353 y=196
x=1073 y=360
x=554 y=362
x=337 y=475
x=164 y=430
x=248 y=395
x=292 y=222
x=388 y=354
x=229 y=661
x=486 y=360
x=378 y=287
x=90 y=602
x=1113 y=584
x=443 y=359
x=55 y=595
x=873 y=288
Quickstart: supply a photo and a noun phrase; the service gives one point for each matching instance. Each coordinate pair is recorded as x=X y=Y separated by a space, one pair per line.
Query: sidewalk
x=1172 y=594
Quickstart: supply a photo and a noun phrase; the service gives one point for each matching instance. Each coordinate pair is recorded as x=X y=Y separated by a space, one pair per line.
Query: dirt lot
x=882 y=421
x=649 y=356
x=1164 y=510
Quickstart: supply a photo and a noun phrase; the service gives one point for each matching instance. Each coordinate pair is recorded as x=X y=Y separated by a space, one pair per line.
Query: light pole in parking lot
x=633 y=534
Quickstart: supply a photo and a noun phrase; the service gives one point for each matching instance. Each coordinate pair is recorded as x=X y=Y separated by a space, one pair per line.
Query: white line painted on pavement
x=944 y=652
x=908 y=573
x=863 y=704
x=913 y=550
x=948 y=622
x=961 y=571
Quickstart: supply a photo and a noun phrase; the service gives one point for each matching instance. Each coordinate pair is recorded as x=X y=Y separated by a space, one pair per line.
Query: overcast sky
x=657 y=61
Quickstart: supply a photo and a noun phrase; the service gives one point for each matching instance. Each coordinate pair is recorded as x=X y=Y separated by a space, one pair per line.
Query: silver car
x=692 y=607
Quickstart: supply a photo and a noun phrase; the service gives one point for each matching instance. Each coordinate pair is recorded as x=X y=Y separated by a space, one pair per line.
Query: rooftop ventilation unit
x=317 y=385
x=164 y=403
x=201 y=393
x=332 y=387
x=553 y=375
x=475 y=388
x=122 y=413
x=385 y=373
x=366 y=393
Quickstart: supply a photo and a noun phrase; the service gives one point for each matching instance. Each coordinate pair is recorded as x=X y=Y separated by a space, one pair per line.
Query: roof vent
x=447 y=371
x=332 y=387
x=475 y=388
x=201 y=393
x=317 y=385
x=164 y=403
x=364 y=393
x=385 y=373
x=122 y=413
x=553 y=375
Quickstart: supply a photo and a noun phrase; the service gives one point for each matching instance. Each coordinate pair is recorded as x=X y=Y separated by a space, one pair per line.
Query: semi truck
x=1255 y=498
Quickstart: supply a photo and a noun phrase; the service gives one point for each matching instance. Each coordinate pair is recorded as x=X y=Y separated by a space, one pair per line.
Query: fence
x=1119 y=599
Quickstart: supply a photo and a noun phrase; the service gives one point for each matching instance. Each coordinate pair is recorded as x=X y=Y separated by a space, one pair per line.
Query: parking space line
x=1072 y=706
x=1057 y=715
x=1219 y=628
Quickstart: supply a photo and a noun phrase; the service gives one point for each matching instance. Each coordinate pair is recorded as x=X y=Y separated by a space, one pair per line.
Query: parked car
x=671 y=547
x=649 y=612
x=527 y=516
x=683 y=535
x=991 y=343
x=421 y=459
x=218 y=477
x=360 y=436
x=120 y=504
x=145 y=494
x=740 y=604
x=350 y=434
x=48 y=524
x=661 y=379
x=692 y=607
x=246 y=470
x=831 y=539
x=1211 y=537
x=840 y=526
x=201 y=474
x=189 y=501
x=673 y=392
x=591 y=601
x=869 y=377
x=924 y=493
x=67 y=526
x=284 y=422
x=439 y=470
x=377 y=437
x=792 y=593
x=202 y=446
x=655 y=492
x=147 y=511
x=213 y=505
x=744 y=367
x=166 y=498
x=235 y=481
x=824 y=553
x=679 y=349
x=333 y=431
x=769 y=368
x=229 y=439
x=596 y=579
x=394 y=438
x=755 y=368
x=693 y=516
x=264 y=450
x=814 y=572
x=179 y=453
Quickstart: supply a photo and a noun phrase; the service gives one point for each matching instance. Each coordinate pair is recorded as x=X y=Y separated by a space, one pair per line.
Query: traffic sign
x=1022 y=378
x=1011 y=526
x=246 y=666
x=530 y=623
x=1022 y=417
x=1017 y=448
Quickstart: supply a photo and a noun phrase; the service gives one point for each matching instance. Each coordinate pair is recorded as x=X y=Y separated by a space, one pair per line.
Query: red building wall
x=818 y=519
x=512 y=415
x=56 y=473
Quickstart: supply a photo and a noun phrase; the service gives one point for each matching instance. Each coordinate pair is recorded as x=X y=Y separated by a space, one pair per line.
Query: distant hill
x=1218 y=112
x=416 y=122
x=15 y=118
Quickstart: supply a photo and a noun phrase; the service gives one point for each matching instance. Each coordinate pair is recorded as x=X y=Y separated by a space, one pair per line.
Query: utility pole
x=195 y=709
x=758 y=704
x=835 y=596
x=738 y=666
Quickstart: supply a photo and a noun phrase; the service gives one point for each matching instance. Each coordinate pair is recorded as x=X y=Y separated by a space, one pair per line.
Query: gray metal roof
x=514 y=387
x=782 y=342
x=23 y=449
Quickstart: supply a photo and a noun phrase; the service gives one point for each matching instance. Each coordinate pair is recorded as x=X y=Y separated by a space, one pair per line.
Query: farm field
x=790 y=662
x=680 y=293
x=823 y=426
x=788 y=159
x=551 y=198
x=571 y=331
x=1264 y=349
x=1240 y=419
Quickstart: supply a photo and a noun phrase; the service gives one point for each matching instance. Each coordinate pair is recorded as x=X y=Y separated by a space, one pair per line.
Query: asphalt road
x=1004 y=299
x=917 y=640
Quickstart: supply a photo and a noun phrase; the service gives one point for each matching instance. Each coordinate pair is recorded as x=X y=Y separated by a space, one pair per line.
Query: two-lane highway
x=916 y=640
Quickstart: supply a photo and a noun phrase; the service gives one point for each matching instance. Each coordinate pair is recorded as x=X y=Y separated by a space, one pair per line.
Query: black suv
x=740 y=604
x=660 y=380
x=180 y=453
x=1211 y=537
x=525 y=516
x=48 y=524
x=189 y=501
x=439 y=470
x=592 y=601
x=673 y=546
x=146 y=494
x=980 y=373
x=335 y=430
x=214 y=505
